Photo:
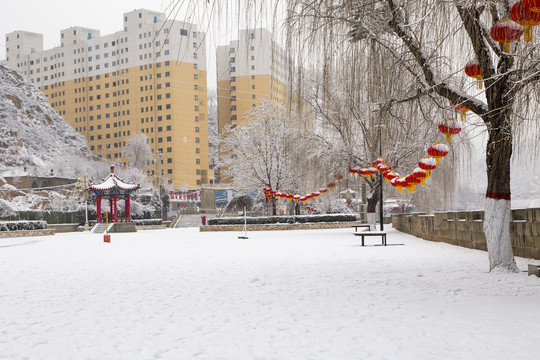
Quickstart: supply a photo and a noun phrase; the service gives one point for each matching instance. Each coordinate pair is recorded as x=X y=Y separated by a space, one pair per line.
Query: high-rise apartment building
x=249 y=69
x=149 y=78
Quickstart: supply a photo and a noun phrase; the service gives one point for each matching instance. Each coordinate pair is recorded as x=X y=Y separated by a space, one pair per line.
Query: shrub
x=22 y=225
x=143 y=222
x=298 y=219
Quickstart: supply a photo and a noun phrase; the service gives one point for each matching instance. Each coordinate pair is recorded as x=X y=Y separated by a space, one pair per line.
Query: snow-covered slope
x=32 y=134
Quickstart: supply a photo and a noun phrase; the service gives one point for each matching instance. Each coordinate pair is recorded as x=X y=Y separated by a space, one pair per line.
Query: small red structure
x=114 y=189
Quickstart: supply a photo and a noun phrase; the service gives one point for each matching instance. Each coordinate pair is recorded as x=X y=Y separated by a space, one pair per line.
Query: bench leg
x=362 y=240
x=384 y=240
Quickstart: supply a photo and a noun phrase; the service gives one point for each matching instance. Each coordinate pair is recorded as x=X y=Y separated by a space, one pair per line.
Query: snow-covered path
x=181 y=294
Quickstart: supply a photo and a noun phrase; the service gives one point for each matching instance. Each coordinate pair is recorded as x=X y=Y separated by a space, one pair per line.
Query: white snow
x=312 y=294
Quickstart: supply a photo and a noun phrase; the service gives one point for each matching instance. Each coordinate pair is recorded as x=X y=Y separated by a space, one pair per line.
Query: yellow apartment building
x=149 y=78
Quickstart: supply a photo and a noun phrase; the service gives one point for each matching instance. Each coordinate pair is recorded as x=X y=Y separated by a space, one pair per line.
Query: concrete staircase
x=99 y=228
x=188 y=220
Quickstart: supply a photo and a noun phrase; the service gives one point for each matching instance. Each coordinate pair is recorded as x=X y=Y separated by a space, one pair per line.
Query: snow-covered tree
x=256 y=152
x=138 y=151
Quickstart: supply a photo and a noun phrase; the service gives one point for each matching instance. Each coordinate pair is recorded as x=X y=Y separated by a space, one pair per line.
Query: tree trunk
x=498 y=206
x=372 y=208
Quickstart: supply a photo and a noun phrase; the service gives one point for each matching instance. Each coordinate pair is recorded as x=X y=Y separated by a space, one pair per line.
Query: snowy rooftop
x=306 y=294
x=113 y=182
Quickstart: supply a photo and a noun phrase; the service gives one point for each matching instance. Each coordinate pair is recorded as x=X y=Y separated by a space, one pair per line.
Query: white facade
x=254 y=53
x=147 y=37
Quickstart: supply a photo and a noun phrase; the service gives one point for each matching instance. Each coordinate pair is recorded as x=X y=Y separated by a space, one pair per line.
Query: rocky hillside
x=34 y=138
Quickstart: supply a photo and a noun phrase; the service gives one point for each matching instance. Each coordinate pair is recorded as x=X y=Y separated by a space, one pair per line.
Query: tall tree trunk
x=498 y=205
x=372 y=200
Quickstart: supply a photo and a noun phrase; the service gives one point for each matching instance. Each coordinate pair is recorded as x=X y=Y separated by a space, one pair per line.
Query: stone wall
x=22 y=233
x=270 y=227
x=466 y=229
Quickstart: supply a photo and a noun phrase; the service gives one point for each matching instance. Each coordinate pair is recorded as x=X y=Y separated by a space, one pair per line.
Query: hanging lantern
x=338 y=177
x=278 y=195
x=363 y=172
x=449 y=128
x=400 y=183
x=323 y=191
x=309 y=196
x=461 y=109
x=297 y=198
x=420 y=174
x=303 y=199
x=506 y=32
x=316 y=194
x=273 y=193
x=378 y=161
x=428 y=163
x=370 y=172
x=290 y=197
x=438 y=151
x=331 y=186
x=382 y=167
x=390 y=175
x=472 y=69
x=412 y=181
x=354 y=170
x=522 y=14
x=534 y=5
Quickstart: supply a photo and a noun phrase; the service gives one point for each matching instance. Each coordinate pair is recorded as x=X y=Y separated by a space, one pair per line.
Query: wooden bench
x=363 y=234
x=366 y=226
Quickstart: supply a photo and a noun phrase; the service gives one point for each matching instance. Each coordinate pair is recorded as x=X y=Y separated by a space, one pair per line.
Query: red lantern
x=534 y=5
x=428 y=163
x=449 y=128
x=316 y=194
x=370 y=172
x=390 y=175
x=438 y=151
x=521 y=14
x=296 y=198
x=354 y=170
x=472 y=69
x=382 y=167
x=323 y=191
x=400 y=183
x=290 y=197
x=420 y=174
x=338 y=177
x=331 y=186
x=303 y=199
x=506 y=32
x=309 y=196
x=462 y=109
x=378 y=161
x=412 y=181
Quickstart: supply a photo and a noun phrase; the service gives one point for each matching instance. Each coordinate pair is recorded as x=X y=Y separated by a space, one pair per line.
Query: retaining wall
x=466 y=229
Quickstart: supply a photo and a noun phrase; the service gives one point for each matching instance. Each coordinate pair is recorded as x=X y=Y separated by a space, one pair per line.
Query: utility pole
x=83 y=185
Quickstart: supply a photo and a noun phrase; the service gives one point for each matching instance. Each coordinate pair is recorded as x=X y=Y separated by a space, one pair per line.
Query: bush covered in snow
x=299 y=219
x=22 y=225
x=142 y=222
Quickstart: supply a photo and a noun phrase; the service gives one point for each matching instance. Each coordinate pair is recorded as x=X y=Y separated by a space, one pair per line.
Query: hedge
x=298 y=219
x=22 y=225
x=143 y=222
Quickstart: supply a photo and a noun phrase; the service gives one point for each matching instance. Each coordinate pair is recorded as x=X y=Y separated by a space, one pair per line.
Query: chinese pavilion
x=114 y=189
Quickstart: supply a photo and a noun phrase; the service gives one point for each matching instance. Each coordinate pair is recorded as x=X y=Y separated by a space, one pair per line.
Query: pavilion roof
x=113 y=182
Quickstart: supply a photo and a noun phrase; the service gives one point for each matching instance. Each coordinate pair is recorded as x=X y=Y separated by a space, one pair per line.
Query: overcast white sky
x=50 y=16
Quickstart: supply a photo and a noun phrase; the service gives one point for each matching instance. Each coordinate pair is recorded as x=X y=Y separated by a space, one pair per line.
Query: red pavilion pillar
x=98 y=205
x=128 y=207
x=114 y=200
x=110 y=208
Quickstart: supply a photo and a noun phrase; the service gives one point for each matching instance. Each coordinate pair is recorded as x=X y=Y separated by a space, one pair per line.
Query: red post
x=110 y=208
x=128 y=207
x=98 y=205
x=114 y=200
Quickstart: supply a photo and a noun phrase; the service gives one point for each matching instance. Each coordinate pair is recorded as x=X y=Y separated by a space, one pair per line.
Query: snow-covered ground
x=182 y=294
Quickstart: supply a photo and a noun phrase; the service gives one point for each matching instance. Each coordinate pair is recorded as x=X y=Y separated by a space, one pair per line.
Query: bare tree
x=255 y=154
x=138 y=151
